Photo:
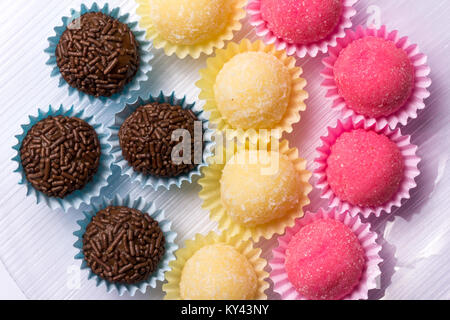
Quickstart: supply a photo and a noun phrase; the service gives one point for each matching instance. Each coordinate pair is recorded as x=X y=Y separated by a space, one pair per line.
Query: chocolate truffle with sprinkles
x=60 y=155
x=146 y=139
x=123 y=245
x=98 y=55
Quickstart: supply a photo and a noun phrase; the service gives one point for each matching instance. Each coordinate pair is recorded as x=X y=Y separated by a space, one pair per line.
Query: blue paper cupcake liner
x=93 y=188
x=146 y=208
x=144 y=50
x=148 y=180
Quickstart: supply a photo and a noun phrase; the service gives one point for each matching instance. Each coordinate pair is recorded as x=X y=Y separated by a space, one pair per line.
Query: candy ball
x=301 y=22
x=255 y=192
x=190 y=22
x=324 y=260
x=218 y=272
x=253 y=90
x=374 y=76
x=364 y=168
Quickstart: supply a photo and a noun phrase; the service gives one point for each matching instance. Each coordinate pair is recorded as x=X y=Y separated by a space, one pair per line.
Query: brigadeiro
x=123 y=245
x=146 y=139
x=98 y=55
x=60 y=155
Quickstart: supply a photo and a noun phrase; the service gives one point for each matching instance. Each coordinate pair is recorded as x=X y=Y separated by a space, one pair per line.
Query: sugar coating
x=257 y=192
x=218 y=272
x=364 y=168
x=189 y=22
x=374 y=76
x=324 y=260
x=253 y=90
x=301 y=21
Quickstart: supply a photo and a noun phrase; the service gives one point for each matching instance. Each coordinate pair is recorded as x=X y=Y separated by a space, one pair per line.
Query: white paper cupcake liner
x=367 y=238
x=421 y=83
x=146 y=208
x=301 y=50
x=90 y=190
x=408 y=151
x=129 y=92
x=148 y=180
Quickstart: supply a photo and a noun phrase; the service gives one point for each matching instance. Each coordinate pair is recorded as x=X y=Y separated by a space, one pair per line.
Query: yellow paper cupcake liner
x=173 y=277
x=182 y=51
x=211 y=196
x=215 y=64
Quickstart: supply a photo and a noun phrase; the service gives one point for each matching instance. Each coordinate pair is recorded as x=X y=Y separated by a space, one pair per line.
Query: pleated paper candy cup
x=149 y=180
x=366 y=237
x=130 y=90
x=148 y=208
x=90 y=190
x=408 y=151
x=421 y=82
x=195 y=50
x=211 y=196
x=301 y=50
x=173 y=277
x=215 y=65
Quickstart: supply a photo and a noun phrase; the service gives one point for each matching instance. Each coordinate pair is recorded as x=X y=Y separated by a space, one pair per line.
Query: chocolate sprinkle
x=100 y=57
x=60 y=155
x=146 y=139
x=123 y=245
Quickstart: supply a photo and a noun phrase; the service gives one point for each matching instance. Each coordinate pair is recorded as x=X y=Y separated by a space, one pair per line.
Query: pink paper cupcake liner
x=367 y=238
x=301 y=50
x=408 y=151
x=419 y=61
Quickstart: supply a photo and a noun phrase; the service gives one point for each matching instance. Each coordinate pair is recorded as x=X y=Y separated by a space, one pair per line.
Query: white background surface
x=9 y=289
x=36 y=252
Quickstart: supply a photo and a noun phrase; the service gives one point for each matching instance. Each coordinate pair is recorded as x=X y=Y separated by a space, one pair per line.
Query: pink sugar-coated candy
x=364 y=168
x=301 y=21
x=374 y=76
x=325 y=260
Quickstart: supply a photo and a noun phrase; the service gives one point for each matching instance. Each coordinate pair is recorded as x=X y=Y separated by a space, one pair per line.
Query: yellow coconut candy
x=217 y=266
x=260 y=186
x=253 y=90
x=189 y=22
x=245 y=89
x=218 y=272
x=190 y=27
